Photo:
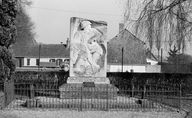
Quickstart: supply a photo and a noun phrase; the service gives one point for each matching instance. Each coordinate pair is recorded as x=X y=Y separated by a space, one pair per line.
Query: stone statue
x=86 y=50
x=88 y=62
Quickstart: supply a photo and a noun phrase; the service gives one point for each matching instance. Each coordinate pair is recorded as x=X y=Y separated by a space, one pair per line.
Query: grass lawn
x=85 y=114
x=126 y=107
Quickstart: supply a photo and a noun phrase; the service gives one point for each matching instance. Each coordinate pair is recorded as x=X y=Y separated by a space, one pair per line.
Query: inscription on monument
x=96 y=80
x=88 y=84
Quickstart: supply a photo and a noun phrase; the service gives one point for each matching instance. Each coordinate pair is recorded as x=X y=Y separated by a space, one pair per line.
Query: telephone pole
x=122 y=58
x=39 y=57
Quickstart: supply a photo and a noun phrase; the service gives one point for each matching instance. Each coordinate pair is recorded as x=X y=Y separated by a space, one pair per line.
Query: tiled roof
x=46 y=50
x=134 y=49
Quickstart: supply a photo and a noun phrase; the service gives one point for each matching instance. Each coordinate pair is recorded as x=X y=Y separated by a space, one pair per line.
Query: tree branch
x=183 y=19
x=173 y=4
x=144 y=11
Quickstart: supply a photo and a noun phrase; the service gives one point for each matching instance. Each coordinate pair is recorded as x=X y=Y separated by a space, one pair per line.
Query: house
x=126 y=48
x=151 y=58
x=153 y=63
x=50 y=55
x=127 y=53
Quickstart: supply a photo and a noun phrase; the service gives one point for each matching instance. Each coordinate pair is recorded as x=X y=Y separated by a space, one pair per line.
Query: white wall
x=135 y=68
x=118 y=68
x=33 y=60
x=152 y=62
x=44 y=59
x=47 y=59
x=153 y=68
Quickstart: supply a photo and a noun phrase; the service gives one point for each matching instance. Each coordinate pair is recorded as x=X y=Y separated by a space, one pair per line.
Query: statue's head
x=85 y=24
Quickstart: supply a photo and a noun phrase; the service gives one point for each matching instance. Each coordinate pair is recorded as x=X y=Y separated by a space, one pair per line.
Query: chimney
x=121 y=27
x=68 y=42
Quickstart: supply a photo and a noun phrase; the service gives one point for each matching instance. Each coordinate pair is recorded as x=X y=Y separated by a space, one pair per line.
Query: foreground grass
x=86 y=114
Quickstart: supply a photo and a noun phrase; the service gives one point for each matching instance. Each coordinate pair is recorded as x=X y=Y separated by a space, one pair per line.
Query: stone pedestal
x=76 y=89
x=80 y=80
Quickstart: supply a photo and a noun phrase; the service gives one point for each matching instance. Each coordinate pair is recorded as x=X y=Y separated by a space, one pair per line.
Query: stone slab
x=78 y=91
x=88 y=48
x=80 y=80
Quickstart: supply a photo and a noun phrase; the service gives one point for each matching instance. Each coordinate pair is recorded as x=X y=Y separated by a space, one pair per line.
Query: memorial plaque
x=88 y=84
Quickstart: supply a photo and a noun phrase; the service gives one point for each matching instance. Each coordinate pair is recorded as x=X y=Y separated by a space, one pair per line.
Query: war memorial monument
x=88 y=62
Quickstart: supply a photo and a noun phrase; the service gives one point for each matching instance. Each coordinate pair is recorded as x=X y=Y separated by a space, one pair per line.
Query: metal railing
x=130 y=91
x=46 y=94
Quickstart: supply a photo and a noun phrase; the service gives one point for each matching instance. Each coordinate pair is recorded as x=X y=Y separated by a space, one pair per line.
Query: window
x=52 y=60
x=37 y=61
x=28 y=62
x=66 y=61
x=59 y=61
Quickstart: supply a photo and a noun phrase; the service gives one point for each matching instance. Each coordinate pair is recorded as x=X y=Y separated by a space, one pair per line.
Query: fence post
x=180 y=94
x=81 y=104
x=8 y=91
x=107 y=99
x=31 y=91
x=144 y=91
x=133 y=87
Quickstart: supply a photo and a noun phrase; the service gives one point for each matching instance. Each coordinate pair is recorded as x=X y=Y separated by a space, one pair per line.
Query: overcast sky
x=51 y=17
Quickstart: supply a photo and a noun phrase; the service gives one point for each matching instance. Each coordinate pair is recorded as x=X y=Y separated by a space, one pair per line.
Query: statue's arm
x=96 y=35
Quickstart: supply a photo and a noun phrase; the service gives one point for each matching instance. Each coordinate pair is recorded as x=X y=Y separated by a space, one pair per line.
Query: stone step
x=78 y=91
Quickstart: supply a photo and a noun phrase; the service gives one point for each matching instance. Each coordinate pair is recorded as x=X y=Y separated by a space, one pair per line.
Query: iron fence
x=46 y=94
x=136 y=91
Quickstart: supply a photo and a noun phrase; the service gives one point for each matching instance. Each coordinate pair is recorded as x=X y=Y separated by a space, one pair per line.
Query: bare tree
x=163 y=21
x=25 y=27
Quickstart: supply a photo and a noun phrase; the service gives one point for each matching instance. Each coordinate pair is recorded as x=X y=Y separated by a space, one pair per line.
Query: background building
x=50 y=55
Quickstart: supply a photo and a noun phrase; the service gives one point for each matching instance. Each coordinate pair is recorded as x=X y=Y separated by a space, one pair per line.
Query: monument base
x=88 y=90
x=80 y=80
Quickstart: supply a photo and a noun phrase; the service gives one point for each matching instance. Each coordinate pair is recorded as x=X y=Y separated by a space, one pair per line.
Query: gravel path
x=65 y=113
x=5 y=114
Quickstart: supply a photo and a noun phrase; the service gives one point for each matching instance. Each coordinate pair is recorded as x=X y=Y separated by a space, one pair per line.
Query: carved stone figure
x=86 y=50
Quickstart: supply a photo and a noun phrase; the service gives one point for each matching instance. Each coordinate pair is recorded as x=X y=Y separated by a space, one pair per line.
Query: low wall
x=153 y=68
